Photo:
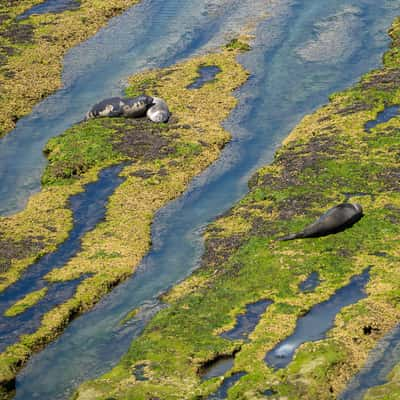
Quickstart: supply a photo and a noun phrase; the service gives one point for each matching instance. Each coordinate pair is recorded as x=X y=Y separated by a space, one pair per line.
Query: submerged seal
x=334 y=220
x=137 y=106
x=159 y=112
x=111 y=107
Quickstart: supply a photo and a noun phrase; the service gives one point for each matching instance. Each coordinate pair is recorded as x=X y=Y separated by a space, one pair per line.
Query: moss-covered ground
x=327 y=157
x=32 y=50
x=161 y=159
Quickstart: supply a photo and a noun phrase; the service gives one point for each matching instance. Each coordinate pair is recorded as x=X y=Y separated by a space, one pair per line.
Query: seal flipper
x=289 y=237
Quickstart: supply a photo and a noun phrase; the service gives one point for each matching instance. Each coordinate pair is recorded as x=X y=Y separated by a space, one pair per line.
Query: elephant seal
x=111 y=107
x=334 y=220
x=137 y=106
x=159 y=112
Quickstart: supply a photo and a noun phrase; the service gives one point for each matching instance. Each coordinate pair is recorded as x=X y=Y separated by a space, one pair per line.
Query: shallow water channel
x=306 y=50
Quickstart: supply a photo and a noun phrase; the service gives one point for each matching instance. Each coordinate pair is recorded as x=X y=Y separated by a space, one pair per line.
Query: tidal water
x=318 y=321
x=206 y=74
x=246 y=323
x=303 y=52
x=310 y=283
x=218 y=368
x=50 y=6
x=222 y=391
x=384 y=116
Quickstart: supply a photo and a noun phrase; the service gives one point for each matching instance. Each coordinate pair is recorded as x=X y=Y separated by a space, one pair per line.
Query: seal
x=159 y=112
x=336 y=219
x=136 y=107
x=111 y=107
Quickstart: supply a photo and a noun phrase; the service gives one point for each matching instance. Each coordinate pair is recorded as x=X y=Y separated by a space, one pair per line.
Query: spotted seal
x=159 y=112
x=111 y=107
x=136 y=107
x=334 y=220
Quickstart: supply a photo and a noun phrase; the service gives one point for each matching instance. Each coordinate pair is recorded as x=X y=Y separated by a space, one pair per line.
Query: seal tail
x=288 y=237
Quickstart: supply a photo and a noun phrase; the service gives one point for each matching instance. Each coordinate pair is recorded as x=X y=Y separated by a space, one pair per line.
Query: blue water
x=384 y=116
x=206 y=74
x=295 y=65
x=246 y=322
x=316 y=323
x=88 y=210
x=29 y=321
x=381 y=361
x=310 y=283
x=50 y=6
x=218 y=368
x=222 y=392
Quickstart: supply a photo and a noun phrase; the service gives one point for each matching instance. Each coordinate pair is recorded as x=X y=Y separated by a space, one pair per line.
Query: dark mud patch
x=222 y=392
x=141 y=139
x=318 y=321
x=247 y=322
x=219 y=249
x=17 y=250
x=207 y=73
x=310 y=283
x=390 y=179
x=263 y=228
x=139 y=373
x=18 y=33
x=387 y=79
x=353 y=108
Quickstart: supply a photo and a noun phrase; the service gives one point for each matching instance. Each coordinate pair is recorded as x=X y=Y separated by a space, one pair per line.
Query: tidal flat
x=160 y=160
x=328 y=156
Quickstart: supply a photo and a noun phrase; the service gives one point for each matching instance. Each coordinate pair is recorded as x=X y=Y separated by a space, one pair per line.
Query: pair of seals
x=334 y=220
x=121 y=107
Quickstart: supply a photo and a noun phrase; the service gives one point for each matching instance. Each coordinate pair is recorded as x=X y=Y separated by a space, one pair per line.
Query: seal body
x=159 y=111
x=111 y=107
x=137 y=106
x=334 y=220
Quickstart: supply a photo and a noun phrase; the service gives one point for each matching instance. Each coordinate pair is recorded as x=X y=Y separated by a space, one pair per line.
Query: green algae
x=161 y=160
x=28 y=301
x=328 y=155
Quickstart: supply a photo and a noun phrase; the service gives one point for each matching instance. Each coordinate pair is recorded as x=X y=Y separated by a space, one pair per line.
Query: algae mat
x=162 y=159
x=328 y=157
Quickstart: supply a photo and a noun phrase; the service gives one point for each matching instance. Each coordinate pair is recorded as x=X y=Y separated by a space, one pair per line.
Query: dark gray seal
x=335 y=220
x=111 y=107
x=159 y=111
x=136 y=107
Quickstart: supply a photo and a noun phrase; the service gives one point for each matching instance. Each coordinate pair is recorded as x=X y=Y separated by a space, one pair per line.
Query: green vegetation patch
x=28 y=301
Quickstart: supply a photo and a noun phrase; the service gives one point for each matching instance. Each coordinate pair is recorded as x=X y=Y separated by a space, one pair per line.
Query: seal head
x=159 y=111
